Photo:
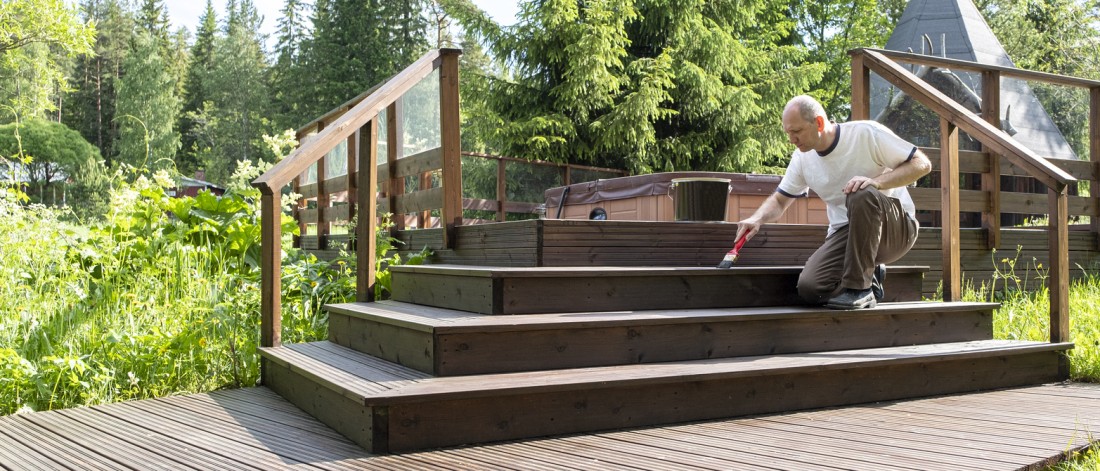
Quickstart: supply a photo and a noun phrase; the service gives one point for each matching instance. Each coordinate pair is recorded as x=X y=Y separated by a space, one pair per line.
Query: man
x=860 y=169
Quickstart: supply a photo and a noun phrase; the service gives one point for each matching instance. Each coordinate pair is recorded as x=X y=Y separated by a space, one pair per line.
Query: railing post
x=1094 y=156
x=949 y=207
x=1059 y=270
x=450 y=141
x=861 y=89
x=395 y=148
x=502 y=189
x=367 y=196
x=991 y=180
x=270 y=268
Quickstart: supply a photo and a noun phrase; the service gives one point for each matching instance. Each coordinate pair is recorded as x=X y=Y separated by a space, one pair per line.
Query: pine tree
x=147 y=108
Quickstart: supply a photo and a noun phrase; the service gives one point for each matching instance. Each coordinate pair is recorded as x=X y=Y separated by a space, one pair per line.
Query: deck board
x=255 y=429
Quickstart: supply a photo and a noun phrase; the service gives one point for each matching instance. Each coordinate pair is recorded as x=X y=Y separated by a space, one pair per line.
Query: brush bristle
x=728 y=260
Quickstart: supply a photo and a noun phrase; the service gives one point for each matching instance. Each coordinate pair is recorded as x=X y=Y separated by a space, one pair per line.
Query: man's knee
x=862 y=198
x=812 y=291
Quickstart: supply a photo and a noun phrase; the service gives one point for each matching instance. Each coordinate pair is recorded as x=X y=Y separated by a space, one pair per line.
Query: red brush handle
x=740 y=243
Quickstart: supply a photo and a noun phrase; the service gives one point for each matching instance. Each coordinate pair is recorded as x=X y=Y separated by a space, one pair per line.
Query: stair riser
x=558 y=347
x=503 y=416
x=537 y=295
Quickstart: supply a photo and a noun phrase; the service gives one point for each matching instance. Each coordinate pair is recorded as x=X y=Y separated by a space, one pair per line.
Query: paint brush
x=731 y=256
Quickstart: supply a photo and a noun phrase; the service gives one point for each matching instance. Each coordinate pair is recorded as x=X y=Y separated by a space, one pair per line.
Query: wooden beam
x=946 y=108
x=949 y=186
x=861 y=89
x=323 y=199
x=991 y=179
x=1059 y=270
x=1094 y=155
x=270 y=270
x=366 y=197
x=450 y=140
x=1008 y=72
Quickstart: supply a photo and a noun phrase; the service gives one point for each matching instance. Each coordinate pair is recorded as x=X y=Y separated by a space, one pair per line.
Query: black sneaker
x=876 y=282
x=853 y=299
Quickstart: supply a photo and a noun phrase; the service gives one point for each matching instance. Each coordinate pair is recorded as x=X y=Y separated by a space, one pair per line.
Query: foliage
x=1025 y=310
x=829 y=29
x=232 y=120
x=288 y=75
x=51 y=152
x=147 y=108
x=648 y=86
x=200 y=66
x=33 y=34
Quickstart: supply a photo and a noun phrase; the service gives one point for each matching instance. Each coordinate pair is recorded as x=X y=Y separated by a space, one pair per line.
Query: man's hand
x=858 y=183
x=747 y=228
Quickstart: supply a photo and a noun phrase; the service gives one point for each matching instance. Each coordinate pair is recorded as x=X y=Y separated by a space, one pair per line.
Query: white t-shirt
x=864 y=148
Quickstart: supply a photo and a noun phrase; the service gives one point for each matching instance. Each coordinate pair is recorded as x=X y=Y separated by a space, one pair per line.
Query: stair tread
x=377 y=382
x=564 y=272
x=442 y=320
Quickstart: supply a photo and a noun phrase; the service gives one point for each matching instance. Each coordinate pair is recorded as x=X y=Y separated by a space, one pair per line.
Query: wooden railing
x=996 y=145
x=357 y=124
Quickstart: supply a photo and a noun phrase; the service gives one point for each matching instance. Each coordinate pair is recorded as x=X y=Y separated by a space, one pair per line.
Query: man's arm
x=773 y=207
x=902 y=175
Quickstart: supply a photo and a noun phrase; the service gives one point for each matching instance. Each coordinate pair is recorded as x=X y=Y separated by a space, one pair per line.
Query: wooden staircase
x=477 y=354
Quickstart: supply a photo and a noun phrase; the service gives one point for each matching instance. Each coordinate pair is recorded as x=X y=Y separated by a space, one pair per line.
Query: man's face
x=803 y=134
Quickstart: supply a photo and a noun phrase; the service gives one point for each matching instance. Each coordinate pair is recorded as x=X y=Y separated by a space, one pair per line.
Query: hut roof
x=958 y=27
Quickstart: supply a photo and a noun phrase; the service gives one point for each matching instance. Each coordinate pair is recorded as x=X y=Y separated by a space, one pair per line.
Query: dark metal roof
x=958 y=25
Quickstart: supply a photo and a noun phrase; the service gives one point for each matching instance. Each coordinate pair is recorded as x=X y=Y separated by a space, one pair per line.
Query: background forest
x=637 y=85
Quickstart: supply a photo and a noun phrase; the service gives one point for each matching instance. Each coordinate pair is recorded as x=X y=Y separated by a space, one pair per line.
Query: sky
x=186 y=12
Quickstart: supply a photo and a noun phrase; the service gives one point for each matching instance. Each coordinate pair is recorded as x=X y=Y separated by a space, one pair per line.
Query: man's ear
x=820 y=120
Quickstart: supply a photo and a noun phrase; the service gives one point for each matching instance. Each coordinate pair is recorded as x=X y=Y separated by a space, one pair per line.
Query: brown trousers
x=878 y=231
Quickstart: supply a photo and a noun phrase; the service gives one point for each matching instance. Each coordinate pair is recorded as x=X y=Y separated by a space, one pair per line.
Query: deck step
x=389 y=408
x=445 y=342
x=537 y=290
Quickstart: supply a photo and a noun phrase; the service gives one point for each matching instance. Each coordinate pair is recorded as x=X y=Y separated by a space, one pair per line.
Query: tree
x=32 y=34
x=94 y=98
x=289 y=78
x=147 y=108
x=644 y=85
x=231 y=125
x=829 y=29
x=1056 y=36
x=55 y=152
x=199 y=67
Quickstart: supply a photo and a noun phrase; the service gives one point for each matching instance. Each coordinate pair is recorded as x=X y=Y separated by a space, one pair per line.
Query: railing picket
x=949 y=204
x=1058 y=238
x=395 y=148
x=1094 y=156
x=502 y=189
x=991 y=180
x=323 y=199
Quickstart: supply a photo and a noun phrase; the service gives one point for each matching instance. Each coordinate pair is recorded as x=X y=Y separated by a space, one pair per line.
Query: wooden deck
x=1016 y=428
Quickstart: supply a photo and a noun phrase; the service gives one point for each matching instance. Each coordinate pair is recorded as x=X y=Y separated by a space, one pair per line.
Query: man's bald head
x=807 y=108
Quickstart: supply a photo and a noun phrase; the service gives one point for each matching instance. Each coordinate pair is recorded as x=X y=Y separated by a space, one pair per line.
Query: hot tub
x=647 y=198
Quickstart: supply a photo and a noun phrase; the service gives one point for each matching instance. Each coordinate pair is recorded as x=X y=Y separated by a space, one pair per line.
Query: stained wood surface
x=445 y=342
x=256 y=429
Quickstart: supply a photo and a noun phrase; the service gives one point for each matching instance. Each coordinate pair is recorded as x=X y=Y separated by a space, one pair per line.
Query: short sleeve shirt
x=864 y=148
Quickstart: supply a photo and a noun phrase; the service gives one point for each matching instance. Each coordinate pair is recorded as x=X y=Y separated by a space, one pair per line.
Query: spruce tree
x=289 y=78
x=147 y=108
x=199 y=67
x=647 y=86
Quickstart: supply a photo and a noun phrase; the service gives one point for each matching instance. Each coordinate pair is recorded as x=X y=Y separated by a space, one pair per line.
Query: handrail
x=954 y=117
x=959 y=64
x=361 y=121
x=312 y=151
x=997 y=140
